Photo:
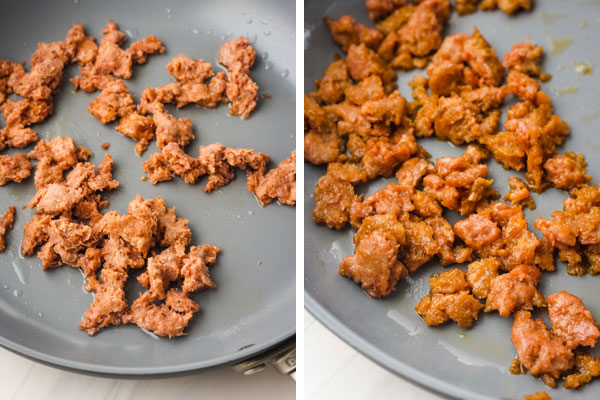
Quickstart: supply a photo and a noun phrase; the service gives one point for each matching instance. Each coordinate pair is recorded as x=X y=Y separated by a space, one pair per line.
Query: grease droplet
x=6 y=287
x=264 y=55
x=196 y=31
x=583 y=68
x=583 y=24
x=168 y=10
x=568 y=90
x=40 y=314
x=208 y=32
x=268 y=66
x=285 y=73
x=18 y=293
x=267 y=33
x=249 y=20
x=250 y=212
x=559 y=45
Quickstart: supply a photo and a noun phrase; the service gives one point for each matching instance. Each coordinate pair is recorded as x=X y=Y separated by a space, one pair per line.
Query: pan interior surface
x=462 y=363
x=253 y=307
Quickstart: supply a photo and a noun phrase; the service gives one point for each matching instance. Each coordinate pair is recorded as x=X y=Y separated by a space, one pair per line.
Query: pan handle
x=282 y=358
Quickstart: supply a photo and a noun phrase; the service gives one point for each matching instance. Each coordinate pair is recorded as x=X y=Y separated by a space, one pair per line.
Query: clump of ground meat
x=449 y=299
x=333 y=199
x=15 y=168
x=526 y=58
x=279 y=183
x=480 y=275
x=190 y=85
x=540 y=352
x=566 y=171
x=106 y=247
x=519 y=194
x=459 y=183
x=54 y=158
x=538 y=396
x=6 y=225
x=587 y=367
x=515 y=290
x=110 y=60
x=380 y=8
x=322 y=143
x=375 y=264
x=552 y=353
x=499 y=230
x=36 y=86
x=530 y=140
x=345 y=31
x=573 y=232
x=508 y=6
x=572 y=321
x=412 y=43
x=238 y=56
x=219 y=163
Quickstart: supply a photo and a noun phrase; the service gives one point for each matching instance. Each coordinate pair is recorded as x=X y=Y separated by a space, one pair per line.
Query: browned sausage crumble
x=359 y=126
x=6 y=225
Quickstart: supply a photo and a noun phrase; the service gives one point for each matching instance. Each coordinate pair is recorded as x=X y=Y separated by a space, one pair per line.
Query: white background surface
x=334 y=370
x=21 y=378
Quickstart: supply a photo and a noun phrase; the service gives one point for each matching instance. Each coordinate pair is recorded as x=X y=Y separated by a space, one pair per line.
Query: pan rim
x=390 y=363
x=133 y=372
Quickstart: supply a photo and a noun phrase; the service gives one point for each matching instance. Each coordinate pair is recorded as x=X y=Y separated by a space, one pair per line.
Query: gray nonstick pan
x=253 y=308
x=460 y=363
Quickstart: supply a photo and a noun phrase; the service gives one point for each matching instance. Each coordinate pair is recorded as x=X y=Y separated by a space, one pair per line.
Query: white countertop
x=21 y=378
x=337 y=371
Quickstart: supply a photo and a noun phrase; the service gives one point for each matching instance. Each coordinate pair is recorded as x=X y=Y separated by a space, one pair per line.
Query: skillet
x=253 y=308
x=460 y=363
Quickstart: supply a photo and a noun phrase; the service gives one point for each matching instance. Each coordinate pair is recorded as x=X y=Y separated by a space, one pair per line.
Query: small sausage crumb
x=105 y=146
x=6 y=224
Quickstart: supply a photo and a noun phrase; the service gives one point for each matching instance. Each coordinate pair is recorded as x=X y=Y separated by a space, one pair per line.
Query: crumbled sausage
x=586 y=368
x=238 y=56
x=374 y=264
x=6 y=225
x=460 y=306
x=526 y=58
x=333 y=200
x=480 y=275
x=572 y=321
x=14 y=168
x=279 y=183
x=519 y=193
x=515 y=291
x=541 y=353
x=345 y=31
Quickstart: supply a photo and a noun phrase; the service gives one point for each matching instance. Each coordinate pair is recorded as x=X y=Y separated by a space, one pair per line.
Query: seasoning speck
x=144 y=178
x=259 y=263
x=105 y=146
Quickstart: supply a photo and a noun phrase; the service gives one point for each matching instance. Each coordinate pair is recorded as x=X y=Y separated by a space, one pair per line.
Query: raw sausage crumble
x=71 y=224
